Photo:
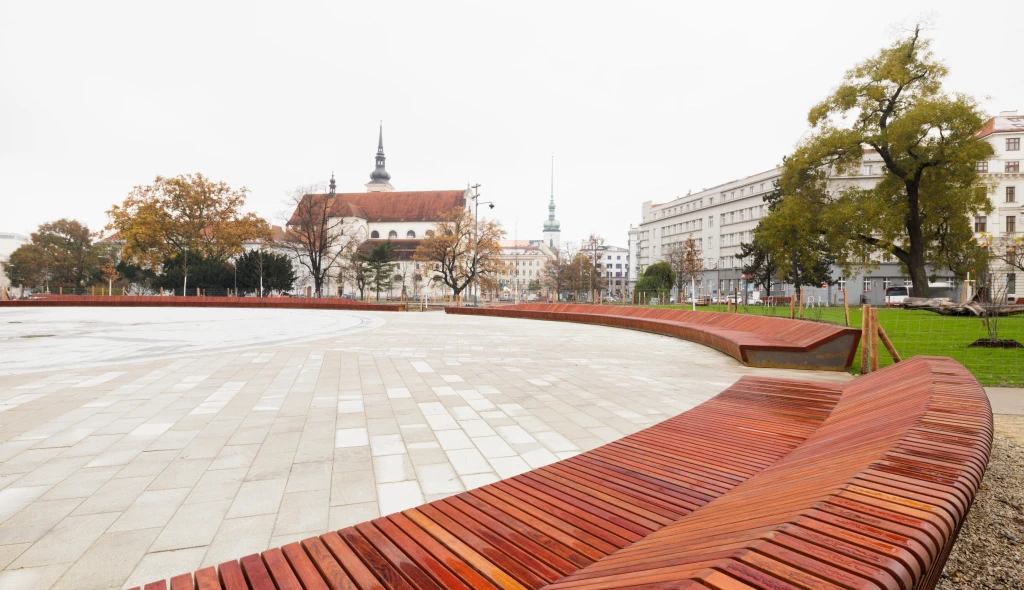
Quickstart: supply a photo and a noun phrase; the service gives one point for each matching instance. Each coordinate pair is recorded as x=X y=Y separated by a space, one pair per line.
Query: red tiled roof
x=397 y=206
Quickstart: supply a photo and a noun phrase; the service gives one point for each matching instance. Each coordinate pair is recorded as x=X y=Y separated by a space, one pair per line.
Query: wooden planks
x=754 y=340
x=233 y=302
x=771 y=484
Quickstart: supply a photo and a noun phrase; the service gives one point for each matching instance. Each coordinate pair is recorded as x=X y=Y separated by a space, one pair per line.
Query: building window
x=981 y=223
x=981 y=166
x=374 y=235
x=841 y=283
x=1011 y=194
x=886 y=283
x=392 y=235
x=410 y=234
x=1013 y=166
x=711 y=221
x=1011 y=224
x=1012 y=144
x=1011 y=282
x=867 y=285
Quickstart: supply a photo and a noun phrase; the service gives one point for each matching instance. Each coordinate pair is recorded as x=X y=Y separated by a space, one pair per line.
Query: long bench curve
x=202 y=301
x=756 y=341
x=772 y=484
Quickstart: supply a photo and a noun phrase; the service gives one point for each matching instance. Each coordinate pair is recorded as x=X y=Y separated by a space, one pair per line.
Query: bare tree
x=317 y=241
x=455 y=256
x=687 y=261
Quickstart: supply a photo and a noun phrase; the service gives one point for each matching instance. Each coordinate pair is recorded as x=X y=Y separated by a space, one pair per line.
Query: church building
x=382 y=213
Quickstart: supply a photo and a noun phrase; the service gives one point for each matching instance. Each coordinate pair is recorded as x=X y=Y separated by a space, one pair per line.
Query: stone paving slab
x=114 y=473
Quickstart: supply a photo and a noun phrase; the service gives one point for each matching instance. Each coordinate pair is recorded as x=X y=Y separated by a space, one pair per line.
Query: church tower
x=380 y=180
x=552 y=229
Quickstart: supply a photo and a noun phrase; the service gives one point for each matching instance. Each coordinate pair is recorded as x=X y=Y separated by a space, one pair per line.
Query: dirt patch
x=986 y=343
x=989 y=554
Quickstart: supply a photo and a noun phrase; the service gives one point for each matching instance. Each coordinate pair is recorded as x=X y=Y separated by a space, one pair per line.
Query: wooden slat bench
x=756 y=341
x=771 y=484
x=233 y=302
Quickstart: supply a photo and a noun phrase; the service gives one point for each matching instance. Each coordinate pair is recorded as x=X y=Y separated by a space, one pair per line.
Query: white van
x=894 y=296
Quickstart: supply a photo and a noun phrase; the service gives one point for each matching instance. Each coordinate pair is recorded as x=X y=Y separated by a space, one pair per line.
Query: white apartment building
x=612 y=264
x=723 y=217
x=524 y=262
x=1003 y=171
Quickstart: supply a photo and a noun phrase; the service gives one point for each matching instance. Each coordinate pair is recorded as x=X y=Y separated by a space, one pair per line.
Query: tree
x=581 y=276
x=316 y=240
x=455 y=256
x=262 y=270
x=203 y=274
x=28 y=266
x=110 y=274
x=687 y=262
x=187 y=216
x=61 y=252
x=759 y=263
x=791 y=237
x=380 y=267
x=657 y=280
x=894 y=104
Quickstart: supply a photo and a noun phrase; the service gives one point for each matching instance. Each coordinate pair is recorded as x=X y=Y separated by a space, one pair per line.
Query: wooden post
x=888 y=344
x=61 y=291
x=846 y=308
x=792 y=307
x=736 y=298
x=874 y=339
x=801 y=304
x=865 y=339
x=728 y=305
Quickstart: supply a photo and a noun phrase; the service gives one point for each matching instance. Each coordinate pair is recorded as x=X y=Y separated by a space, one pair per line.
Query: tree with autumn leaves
x=459 y=253
x=894 y=104
x=189 y=215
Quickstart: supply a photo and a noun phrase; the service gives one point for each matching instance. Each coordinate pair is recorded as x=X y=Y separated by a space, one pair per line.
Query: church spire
x=379 y=178
x=552 y=225
x=333 y=185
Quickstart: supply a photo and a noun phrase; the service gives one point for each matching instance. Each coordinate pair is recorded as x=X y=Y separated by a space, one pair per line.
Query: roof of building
x=1007 y=122
x=403 y=248
x=393 y=206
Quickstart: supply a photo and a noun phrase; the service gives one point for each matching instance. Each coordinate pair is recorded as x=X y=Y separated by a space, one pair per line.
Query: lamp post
x=476 y=236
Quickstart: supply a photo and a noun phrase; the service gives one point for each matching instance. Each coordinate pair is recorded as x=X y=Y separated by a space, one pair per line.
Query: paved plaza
x=140 y=443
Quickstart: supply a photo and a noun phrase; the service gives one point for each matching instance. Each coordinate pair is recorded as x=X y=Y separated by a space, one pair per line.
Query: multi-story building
x=1003 y=171
x=380 y=214
x=524 y=262
x=723 y=217
x=612 y=263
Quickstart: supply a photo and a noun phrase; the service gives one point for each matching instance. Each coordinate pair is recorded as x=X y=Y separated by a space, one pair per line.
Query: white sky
x=636 y=100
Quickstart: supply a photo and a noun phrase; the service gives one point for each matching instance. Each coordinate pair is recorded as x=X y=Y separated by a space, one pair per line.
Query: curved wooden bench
x=756 y=341
x=771 y=484
x=233 y=302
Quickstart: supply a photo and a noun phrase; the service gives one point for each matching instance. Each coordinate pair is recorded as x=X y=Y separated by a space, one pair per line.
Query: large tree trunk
x=916 y=264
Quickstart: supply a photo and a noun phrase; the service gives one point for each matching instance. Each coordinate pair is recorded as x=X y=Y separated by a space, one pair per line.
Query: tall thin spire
x=333 y=185
x=379 y=178
x=552 y=225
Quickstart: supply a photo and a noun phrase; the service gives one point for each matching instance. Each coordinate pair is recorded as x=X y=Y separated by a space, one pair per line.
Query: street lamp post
x=476 y=237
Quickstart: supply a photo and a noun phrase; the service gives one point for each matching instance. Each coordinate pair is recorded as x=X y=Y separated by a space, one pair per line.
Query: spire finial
x=333 y=186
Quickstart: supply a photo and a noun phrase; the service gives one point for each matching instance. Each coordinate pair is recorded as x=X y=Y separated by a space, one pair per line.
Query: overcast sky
x=636 y=100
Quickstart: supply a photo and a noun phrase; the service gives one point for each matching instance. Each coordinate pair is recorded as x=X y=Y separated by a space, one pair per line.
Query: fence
x=918 y=332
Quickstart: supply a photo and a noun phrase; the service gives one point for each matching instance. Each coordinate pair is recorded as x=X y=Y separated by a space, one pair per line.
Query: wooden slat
x=773 y=483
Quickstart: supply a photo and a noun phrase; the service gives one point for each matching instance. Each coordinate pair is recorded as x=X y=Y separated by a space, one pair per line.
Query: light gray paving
x=212 y=444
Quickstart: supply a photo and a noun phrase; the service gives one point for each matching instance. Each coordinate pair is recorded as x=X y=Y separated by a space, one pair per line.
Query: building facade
x=722 y=218
x=380 y=214
x=1001 y=227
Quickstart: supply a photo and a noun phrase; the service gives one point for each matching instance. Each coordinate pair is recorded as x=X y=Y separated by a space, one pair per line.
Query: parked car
x=894 y=296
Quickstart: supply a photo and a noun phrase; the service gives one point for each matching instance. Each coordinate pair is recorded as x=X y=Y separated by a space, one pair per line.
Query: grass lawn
x=915 y=332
